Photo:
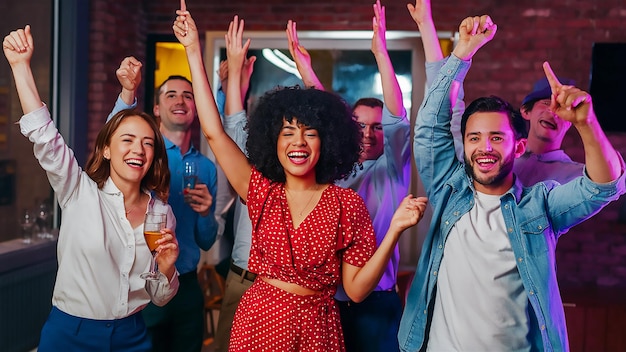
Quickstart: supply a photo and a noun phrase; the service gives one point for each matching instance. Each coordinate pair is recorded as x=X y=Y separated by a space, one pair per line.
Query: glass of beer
x=152 y=227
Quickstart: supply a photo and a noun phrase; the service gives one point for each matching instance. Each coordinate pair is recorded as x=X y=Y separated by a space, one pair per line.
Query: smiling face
x=546 y=130
x=298 y=149
x=370 y=120
x=130 y=151
x=490 y=149
x=176 y=106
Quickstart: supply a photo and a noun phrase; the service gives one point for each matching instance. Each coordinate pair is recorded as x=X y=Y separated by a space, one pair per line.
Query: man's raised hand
x=474 y=32
x=568 y=102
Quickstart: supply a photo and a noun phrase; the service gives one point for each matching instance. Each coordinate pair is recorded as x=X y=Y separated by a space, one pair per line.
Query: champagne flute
x=26 y=222
x=152 y=227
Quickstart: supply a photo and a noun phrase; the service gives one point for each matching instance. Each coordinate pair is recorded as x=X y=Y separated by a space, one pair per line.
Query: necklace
x=315 y=188
x=134 y=206
x=130 y=210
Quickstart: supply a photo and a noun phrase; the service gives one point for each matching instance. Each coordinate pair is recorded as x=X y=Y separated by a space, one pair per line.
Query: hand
x=300 y=55
x=201 y=199
x=420 y=12
x=474 y=33
x=167 y=252
x=302 y=58
x=185 y=28
x=222 y=73
x=379 y=26
x=18 y=46
x=129 y=73
x=568 y=102
x=236 y=52
x=409 y=213
x=246 y=73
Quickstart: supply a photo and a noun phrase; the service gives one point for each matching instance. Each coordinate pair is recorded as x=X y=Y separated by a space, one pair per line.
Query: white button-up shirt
x=100 y=255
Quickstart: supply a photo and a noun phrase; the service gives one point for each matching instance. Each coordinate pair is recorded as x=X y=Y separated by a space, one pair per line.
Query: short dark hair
x=495 y=104
x=529 y=105
x=325 y=112
x=157 y=91
x=158 y=177
x=369 y=102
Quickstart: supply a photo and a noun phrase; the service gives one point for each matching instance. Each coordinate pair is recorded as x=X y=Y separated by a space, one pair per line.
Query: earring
x=106 y=156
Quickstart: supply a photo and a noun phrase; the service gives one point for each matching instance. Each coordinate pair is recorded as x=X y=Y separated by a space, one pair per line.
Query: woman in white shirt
x=101 y=251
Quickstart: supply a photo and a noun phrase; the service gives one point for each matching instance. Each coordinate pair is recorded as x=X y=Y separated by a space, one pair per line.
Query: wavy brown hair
x=158 y=177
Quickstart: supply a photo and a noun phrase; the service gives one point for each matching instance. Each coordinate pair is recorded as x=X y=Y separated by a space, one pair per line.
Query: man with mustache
x=486 y=277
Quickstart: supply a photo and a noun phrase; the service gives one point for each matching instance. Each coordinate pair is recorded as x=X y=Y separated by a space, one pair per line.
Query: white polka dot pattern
x=270 y=319
x=337 y=229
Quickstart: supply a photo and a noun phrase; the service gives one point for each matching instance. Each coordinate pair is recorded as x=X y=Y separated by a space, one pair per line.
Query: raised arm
x=236 y=63
x=392 y=95
x=602 y=162
x=302 y=58
x=228 y=155
x=129 y=76
x=433 y=147
x=18 y=48
x=422 y=15
x=244 y=83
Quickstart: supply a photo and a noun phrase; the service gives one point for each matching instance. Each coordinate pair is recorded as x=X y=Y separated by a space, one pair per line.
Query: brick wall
x=529 y=32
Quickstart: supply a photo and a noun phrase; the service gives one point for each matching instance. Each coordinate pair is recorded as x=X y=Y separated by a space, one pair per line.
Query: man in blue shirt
x=544 y=159
x=486 y=278
x=179 y=325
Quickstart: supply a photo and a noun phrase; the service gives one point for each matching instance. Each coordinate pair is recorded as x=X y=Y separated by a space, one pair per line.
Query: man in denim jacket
x=486 y=278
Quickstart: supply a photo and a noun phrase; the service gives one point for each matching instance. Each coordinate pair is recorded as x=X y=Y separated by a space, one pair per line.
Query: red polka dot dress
x=337 y=229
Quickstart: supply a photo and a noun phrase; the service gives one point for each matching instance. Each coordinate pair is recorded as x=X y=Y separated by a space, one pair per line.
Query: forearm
x=26 y=87
x=234 y=100
x=128 y=96
x=205 y=102
x=602 y=161
x=430 y=41
x=206 y=225
x=163 y=290
x=310 y=79
x=392 y=95
x=368 y=276
x=228 y=155
x=120 y=105
x=206 y=230
x=433 y=145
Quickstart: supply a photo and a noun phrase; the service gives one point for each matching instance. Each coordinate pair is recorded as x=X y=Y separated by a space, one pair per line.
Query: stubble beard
x=504 y=169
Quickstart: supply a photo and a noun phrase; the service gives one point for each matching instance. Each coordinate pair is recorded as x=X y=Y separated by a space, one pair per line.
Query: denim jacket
x=535 y=217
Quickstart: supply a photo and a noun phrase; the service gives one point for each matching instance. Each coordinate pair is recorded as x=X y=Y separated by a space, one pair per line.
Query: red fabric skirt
x=271 y=319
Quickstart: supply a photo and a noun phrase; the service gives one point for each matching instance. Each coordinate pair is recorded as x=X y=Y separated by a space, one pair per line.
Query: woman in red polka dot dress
x=308 y=234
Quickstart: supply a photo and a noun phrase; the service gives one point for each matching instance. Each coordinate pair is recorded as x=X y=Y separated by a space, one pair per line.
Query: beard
x=504 y=169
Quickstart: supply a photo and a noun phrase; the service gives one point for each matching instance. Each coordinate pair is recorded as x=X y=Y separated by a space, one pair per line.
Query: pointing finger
x=552 y=79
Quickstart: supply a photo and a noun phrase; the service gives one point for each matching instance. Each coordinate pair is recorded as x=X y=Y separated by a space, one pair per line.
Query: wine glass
x=42 y=220
x=26 y=223
x=152 y=227
x=190 y=177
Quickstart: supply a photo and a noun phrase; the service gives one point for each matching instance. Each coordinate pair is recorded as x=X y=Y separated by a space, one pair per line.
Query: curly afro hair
x=326 y=112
